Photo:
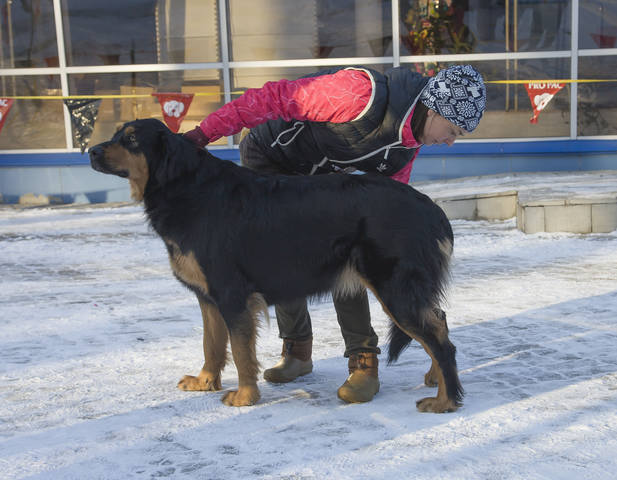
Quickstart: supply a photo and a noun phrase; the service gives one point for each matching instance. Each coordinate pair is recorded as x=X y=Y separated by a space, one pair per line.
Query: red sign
x=604 y=41
x=175 y=107
x=540 y=94
x=5 y=107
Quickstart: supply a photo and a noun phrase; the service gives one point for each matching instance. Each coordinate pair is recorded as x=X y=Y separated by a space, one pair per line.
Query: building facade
x=124 y=50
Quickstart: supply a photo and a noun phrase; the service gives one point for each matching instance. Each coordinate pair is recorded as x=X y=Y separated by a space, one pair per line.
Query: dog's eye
x=131 y=138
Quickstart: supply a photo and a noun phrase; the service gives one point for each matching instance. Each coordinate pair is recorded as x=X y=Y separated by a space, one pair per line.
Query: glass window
x=479 y=26
x=508 y=108
x=33 y=124
x=539 y=25
x=28 y=34
x=144 y=31
x=295 y=29
x=597 y=103
x=597 y=24
x=244 y=78
x=205 y=84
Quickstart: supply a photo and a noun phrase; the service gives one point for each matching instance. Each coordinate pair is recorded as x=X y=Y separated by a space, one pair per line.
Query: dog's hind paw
x=242 y=397
x=436 y=405
x=201 y=383
x=431 y=379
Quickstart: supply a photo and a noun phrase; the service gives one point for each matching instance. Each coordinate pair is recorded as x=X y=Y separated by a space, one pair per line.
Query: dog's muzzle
x=97 y=161
x=97 y=156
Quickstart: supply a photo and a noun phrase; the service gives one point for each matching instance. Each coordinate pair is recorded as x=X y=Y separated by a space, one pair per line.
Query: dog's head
x=143 y=151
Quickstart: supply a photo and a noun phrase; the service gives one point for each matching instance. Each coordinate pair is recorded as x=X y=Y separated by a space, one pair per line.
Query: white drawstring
x=368 y=155
x=320 y=164
x=301 y=124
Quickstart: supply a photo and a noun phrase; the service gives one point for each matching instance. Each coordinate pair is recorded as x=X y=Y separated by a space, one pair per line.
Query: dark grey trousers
x=294 y=321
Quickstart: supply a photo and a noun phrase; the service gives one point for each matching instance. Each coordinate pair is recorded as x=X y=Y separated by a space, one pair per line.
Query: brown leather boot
x=295 y=362
x=363 y=381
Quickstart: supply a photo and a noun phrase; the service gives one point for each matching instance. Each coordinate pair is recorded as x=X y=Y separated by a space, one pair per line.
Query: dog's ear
x=178 y=157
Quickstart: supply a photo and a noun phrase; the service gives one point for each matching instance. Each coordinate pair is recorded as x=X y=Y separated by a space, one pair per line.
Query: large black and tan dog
x=242 y=240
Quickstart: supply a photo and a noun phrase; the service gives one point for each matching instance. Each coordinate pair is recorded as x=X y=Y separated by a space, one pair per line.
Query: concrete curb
x=482 y=206
x=577 y=214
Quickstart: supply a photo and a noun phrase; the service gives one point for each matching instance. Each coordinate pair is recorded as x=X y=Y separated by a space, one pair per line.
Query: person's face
x=438 y=130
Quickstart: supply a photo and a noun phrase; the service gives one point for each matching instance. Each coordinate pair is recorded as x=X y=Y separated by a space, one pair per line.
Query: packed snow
x=96 y=333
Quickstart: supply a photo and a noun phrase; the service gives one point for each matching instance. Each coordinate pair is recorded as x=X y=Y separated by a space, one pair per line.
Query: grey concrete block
x=590 y=199
x=530 y=219
x=460 y=209
x=526 y=201
x=604 y=217
x=499 y=207
x=505 y=193
x=568 y=218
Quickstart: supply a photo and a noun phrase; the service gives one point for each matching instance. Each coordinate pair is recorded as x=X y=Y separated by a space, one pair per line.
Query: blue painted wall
x=471 y=159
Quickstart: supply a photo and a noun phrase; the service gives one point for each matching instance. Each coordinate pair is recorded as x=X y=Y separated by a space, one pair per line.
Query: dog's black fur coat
x=287 y=237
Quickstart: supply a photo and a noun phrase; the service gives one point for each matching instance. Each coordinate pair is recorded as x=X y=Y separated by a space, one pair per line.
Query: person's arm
x=338 y=97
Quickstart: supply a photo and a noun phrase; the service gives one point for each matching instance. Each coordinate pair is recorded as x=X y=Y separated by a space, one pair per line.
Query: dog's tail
x=398 y=341
x=433 y=296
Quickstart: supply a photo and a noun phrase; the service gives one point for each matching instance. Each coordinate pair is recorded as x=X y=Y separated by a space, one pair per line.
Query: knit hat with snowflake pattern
x=457 y=94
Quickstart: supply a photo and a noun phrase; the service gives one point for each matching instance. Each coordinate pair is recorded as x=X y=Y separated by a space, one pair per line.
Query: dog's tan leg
x=215 y=352
x=439 y=327
x=431 y=378
x=441 y=403
x=243 y=339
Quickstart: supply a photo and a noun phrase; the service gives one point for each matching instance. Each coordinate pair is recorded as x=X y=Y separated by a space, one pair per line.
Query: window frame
x=226 y=66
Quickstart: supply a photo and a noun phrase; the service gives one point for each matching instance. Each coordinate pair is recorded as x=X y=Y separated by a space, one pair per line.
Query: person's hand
x=197 y=136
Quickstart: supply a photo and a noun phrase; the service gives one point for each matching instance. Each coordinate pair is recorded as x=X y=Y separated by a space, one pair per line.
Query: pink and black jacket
x=361 y=119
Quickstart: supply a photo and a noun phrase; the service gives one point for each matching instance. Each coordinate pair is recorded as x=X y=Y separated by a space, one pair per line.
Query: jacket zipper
x=387 y=147
x=345 y=162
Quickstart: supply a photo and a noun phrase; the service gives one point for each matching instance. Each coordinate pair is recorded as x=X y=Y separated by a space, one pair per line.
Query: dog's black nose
x=95 y=152
x=97 y=157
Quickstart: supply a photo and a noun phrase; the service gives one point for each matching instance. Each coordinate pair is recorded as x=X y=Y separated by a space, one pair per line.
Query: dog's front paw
x=436 y=405
x=204 y=382
x=242 y=397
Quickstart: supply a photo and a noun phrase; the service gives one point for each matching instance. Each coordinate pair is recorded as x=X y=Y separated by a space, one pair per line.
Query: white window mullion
x=64 y=80
x=225 y=57
x=574 y=72
x=396 y=40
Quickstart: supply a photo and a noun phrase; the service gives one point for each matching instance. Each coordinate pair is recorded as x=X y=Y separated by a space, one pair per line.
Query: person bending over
x=342 y=120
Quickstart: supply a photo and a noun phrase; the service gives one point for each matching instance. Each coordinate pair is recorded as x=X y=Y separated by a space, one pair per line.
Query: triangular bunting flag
x=83 y=115
x=604 y=41
x=5 y=107
x=174 y=106
x=540 y=94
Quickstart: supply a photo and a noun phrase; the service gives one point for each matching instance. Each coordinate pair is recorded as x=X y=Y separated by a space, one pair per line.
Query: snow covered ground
x=95 y=333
